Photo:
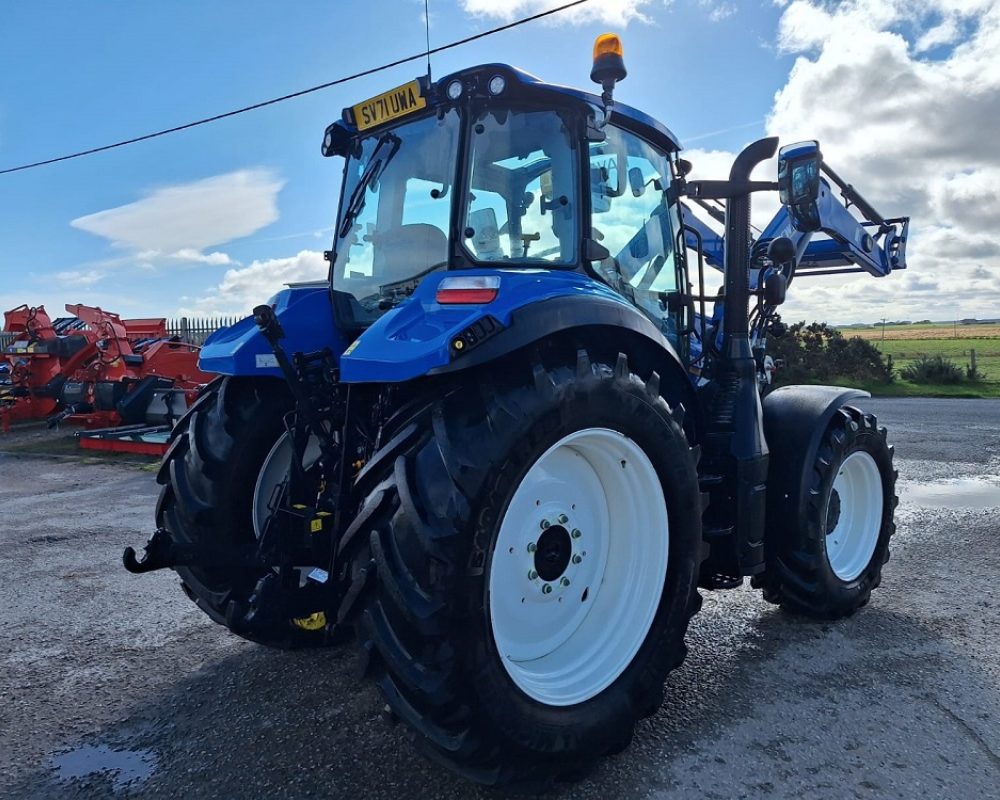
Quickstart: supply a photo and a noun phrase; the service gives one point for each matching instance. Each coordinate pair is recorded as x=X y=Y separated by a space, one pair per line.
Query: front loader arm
x=875 y=245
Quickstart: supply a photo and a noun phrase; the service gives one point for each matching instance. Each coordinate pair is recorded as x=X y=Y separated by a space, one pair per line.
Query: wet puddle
x=963 y=493
x=122 y=766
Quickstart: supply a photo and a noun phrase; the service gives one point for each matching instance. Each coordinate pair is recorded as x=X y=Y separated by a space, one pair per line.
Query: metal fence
x=196 y=331
x=6 y=337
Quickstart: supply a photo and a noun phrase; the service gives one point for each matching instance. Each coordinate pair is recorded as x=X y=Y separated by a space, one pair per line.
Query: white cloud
x=186 y=218
x=188 y=255
x=242 y=289
x=618 y=13
x=945 y=33
x=610 y=12
x=80 y=277
x=913 y=133
x=709 y=164
x=717 y=10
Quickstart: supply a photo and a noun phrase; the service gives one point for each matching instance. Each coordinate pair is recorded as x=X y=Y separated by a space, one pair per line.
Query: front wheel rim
x=852 y=538
x=578 y=567
x=273 y=477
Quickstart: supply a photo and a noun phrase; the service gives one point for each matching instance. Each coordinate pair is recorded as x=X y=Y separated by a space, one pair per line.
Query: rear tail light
x=469 y=289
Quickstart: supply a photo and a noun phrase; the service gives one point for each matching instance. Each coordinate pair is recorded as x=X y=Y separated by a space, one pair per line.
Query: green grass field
x=906 y=343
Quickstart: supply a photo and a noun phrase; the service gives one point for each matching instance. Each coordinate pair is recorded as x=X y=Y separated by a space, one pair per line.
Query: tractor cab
x=490 y=168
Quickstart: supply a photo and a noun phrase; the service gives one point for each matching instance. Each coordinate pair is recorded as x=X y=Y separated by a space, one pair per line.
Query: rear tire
x=209 y=475
x=428 y=538
x=828 y=565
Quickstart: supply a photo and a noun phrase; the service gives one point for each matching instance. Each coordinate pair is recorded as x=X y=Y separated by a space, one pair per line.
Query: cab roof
x=621 y=113
x=524 y=85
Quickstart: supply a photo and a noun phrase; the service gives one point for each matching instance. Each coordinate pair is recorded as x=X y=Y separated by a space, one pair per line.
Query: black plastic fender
x=604 y=317
x=795 y=418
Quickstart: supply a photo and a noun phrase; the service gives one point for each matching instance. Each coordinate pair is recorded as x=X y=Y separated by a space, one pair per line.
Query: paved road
x=100 y=669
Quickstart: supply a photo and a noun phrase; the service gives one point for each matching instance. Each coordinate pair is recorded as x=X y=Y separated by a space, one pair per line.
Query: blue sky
x=213 y=218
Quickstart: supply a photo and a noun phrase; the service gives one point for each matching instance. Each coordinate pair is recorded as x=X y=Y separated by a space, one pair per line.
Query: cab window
x=522 y=196
x=630 y=217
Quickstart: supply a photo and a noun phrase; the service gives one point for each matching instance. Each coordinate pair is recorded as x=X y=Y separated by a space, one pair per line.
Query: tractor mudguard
x=424 y=337
x=795 y=418
x=306 y=315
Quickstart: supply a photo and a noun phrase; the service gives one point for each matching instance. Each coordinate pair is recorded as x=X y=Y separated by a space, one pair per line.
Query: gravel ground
x=113 y=685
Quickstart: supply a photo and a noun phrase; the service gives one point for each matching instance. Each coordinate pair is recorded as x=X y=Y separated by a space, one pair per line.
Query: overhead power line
x=274 y=100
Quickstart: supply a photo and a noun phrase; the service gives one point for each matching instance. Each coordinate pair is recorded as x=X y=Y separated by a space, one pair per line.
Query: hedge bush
x=817 y=353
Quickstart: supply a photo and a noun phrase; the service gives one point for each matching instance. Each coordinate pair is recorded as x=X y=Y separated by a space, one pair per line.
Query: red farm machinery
x=117 y=378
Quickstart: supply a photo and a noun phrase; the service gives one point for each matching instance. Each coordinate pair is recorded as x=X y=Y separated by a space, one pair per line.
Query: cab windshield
x=395 y=211
x=519 y=204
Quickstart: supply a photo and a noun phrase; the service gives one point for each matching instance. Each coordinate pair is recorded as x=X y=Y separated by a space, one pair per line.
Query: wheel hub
x=553 y=552
x=578 y=566
x=854 y=515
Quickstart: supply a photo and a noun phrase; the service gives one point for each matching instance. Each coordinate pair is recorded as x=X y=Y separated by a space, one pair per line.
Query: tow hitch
x=162 y=552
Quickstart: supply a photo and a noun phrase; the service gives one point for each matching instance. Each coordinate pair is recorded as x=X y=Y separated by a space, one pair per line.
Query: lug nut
x=576 y=533
x=547 y=588
x=545 y=524
x=532 y=574
x=563 y=519
x=532 y=547
x=577 y=558
x=564 y=581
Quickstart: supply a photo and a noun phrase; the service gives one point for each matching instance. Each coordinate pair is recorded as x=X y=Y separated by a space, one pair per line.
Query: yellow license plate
x=389 y=105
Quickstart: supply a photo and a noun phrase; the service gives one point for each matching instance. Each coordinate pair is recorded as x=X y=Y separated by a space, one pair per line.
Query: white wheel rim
x=274 y=472
x=566 y=644
x=851 y=544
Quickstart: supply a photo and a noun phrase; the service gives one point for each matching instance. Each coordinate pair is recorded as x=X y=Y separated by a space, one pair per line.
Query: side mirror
x=798 y=183
x=775 y=288
x=636 y=182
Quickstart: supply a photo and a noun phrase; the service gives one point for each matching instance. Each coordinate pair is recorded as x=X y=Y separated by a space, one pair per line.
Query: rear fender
x=305 y=314
x=795 y=419
x=424 y=337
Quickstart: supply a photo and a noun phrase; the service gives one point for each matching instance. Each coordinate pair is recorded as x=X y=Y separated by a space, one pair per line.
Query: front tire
x=211 y=478
x=597 y=454
x=827 y=564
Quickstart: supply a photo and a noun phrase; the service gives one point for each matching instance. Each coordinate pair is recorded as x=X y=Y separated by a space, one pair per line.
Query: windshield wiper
x=376 y=166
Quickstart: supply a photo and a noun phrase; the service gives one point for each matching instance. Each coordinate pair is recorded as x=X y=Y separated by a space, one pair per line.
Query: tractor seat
x=419 y=243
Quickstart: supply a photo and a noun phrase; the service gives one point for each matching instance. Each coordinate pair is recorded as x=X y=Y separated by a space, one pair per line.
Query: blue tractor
x=509 y=440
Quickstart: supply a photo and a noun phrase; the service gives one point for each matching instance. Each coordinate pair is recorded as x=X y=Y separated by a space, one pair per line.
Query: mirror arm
x=722 y=190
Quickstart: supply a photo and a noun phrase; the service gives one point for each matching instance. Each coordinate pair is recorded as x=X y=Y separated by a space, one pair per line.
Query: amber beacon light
x=609 y=63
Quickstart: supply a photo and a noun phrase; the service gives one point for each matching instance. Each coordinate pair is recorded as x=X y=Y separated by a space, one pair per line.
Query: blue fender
x=795 y=419
x=306 y=315
x=417 y=337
